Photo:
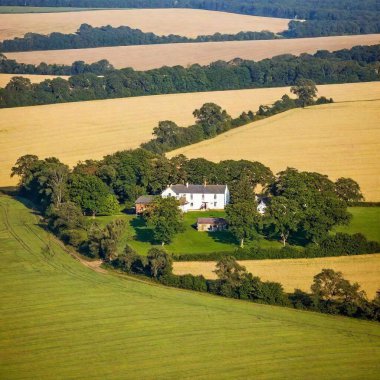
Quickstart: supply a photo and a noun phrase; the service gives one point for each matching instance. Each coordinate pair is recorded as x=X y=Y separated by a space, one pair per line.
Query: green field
x=17 y=9
x=61 y=320
x=139 y=237
x=365 y=220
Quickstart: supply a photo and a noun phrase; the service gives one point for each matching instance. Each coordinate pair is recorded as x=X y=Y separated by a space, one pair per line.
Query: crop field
x=5 y=78
x=299 y=273
x=22 y=9
x=184 y=22
x=78 y=131
x=340 y=140
x=147 y=57
x=59 y=319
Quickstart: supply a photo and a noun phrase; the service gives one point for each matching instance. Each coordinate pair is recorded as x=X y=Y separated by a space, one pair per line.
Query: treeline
x=91 y=37
x=336 y=16
x=169 y=136
x=355 y=65
x=330 y=292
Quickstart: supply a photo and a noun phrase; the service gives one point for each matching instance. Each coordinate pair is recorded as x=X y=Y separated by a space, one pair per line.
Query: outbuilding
x=211 y=224
x=142 y=203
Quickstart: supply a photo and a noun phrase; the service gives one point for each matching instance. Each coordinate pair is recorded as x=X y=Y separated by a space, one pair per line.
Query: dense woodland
x=359 y=64
x=90 y=37
x=338 y=16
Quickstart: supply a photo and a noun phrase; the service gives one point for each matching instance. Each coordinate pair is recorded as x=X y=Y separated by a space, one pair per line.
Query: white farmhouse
x=199 y=197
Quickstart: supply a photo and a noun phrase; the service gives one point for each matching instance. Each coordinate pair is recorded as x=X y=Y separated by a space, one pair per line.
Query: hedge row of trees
x=349 y=16
x=355 y=65
x=91 y=37
x=211 y=120
x=330 y=292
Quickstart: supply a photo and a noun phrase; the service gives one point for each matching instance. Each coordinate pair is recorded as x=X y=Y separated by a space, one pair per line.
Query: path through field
x=59 y=319
x=147 y=57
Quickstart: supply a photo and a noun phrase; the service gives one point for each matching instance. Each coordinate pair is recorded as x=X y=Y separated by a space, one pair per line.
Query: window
x=191 y=196
x=203 y=197
x=214 y=204
x=214 y=196
x=191 y=204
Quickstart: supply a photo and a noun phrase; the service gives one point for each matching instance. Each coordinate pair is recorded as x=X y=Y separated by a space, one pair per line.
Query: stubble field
x=59 y=319
x=147 y=57
x=184 y=22
x=299 y=273
x=340 y=140
x=83 y=130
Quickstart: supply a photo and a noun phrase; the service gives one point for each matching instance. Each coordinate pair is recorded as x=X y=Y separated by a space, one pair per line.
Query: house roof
x=211 y=221
x=198 y=189
x=144 y=199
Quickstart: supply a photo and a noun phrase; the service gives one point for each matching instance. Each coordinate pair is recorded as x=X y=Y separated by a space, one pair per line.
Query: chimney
x=205 y=183
x=187 y=184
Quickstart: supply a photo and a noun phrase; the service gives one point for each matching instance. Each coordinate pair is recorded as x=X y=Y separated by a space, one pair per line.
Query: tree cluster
x=91 y=37
x=355 y=65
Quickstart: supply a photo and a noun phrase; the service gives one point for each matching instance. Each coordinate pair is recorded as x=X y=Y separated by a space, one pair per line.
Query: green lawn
x=139 y=237
x=60 y=320
x=18 y=9
x=365 y=220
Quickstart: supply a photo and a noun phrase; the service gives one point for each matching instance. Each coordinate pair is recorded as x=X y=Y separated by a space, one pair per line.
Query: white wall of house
x=197 y=201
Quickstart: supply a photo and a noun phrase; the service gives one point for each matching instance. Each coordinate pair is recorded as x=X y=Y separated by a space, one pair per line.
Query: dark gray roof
x=199 y=189
x=211 y=221
x=145 y=199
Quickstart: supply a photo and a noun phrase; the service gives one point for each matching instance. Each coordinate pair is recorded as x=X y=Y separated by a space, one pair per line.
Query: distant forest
x=90 y=37
x=323 y=17
x=101 y=81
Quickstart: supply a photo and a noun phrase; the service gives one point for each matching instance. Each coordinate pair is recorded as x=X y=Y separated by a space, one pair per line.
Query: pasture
x=60 y=319
x=145 y=57
x=83 y=130
x=299 y=273
x=184 y=22
x=5 y=78
x=340 y=140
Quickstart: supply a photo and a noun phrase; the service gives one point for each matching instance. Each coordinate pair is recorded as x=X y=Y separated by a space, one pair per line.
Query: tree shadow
x=142 y=232
x=224 y=237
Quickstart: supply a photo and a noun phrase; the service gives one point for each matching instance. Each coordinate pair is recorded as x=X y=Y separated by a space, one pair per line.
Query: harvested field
x=78 y=131
x=147 y=57
x=340 y=140
x=184 y=22
x=299 y=273
x=5 y=78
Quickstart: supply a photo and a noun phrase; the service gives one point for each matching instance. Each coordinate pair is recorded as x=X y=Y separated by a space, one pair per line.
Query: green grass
x=365 y=220
x=18 y=9
x=60 y=320
x=140 y=237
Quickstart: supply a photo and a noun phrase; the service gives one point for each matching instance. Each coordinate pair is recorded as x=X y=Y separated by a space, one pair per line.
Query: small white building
x=199 y=197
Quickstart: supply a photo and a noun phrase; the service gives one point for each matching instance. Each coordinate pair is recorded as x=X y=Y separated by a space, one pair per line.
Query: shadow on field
x=142 y=232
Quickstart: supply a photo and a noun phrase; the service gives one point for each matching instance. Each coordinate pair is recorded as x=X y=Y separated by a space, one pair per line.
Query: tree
x=91 y=194
x=242 y=191
x=228 y=269
x=306 y=91
x=243 y=220
x=285 y=215
x=348 y=190
x=24 y=168
x=165 y=218
x=331 y=286
x=166 y=132
x=212 y=118
x=159 y=263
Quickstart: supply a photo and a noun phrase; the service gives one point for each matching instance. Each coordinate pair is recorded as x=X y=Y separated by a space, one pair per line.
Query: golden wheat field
x=340 y=140
x=5 y=78
x=184 y=22
x=78 y=131
x=299 y=273
x=147 y=57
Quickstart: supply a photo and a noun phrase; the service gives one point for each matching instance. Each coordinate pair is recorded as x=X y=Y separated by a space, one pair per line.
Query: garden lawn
x=365 y=220
x=61 y=320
